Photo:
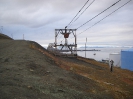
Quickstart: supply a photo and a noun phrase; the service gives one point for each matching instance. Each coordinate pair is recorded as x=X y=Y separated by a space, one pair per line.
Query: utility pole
x=85 y=47
x=12 y=36
x=1 y=29
x=23 y=36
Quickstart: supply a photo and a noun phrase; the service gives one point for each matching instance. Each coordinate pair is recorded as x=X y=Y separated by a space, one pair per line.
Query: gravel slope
x=27 y=72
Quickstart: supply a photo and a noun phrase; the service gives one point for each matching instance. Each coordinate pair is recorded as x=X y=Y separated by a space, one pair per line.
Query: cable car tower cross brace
x=71 y=47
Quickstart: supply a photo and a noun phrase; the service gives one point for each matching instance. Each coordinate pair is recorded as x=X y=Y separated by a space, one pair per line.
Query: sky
x=37 y=20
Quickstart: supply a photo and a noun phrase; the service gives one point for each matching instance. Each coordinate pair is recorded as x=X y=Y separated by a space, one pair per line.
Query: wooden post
x=23 y=36
x=55 y=39
x=12 y=36
x=75 y=43
x=85 y=47
x=85 y=50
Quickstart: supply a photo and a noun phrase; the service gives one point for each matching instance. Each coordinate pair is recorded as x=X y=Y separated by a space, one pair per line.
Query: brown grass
x=104 y=78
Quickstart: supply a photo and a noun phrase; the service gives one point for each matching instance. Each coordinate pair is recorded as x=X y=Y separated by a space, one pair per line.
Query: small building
x=127 y=59
x=116 y=59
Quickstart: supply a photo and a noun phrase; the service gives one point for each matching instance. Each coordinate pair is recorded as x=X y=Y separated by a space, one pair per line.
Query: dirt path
x=28 y=71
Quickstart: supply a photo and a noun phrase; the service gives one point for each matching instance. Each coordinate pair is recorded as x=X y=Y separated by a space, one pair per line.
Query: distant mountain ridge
x=105 y=46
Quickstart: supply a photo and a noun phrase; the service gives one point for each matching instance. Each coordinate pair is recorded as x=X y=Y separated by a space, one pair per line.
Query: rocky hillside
x=28 y=71
x=3 y=36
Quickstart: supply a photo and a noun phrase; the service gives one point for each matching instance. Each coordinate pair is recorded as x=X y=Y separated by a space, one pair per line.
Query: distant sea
x=103 y=54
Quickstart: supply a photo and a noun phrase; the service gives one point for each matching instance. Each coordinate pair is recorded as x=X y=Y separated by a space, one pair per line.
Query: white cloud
x=41 y=17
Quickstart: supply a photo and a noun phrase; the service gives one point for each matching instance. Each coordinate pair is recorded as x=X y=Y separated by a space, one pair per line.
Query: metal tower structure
x=71 y=47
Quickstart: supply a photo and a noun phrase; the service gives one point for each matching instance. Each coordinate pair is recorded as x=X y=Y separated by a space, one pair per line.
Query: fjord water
x=103 y=54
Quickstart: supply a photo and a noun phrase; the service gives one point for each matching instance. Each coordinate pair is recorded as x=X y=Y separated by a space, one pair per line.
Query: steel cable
x=77 y=13
x=106 y=16
x=99 y=14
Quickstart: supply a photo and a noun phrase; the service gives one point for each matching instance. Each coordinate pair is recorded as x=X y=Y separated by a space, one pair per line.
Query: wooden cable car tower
x=71 y=47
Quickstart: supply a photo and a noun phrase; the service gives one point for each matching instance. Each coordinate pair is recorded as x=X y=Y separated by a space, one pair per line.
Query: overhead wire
x=106 y=16
x=84 y=10
x=99 y=14
x=80 y=14
x=77 y=13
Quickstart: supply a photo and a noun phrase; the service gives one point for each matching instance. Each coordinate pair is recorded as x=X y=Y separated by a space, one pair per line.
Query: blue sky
x=37 y=20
